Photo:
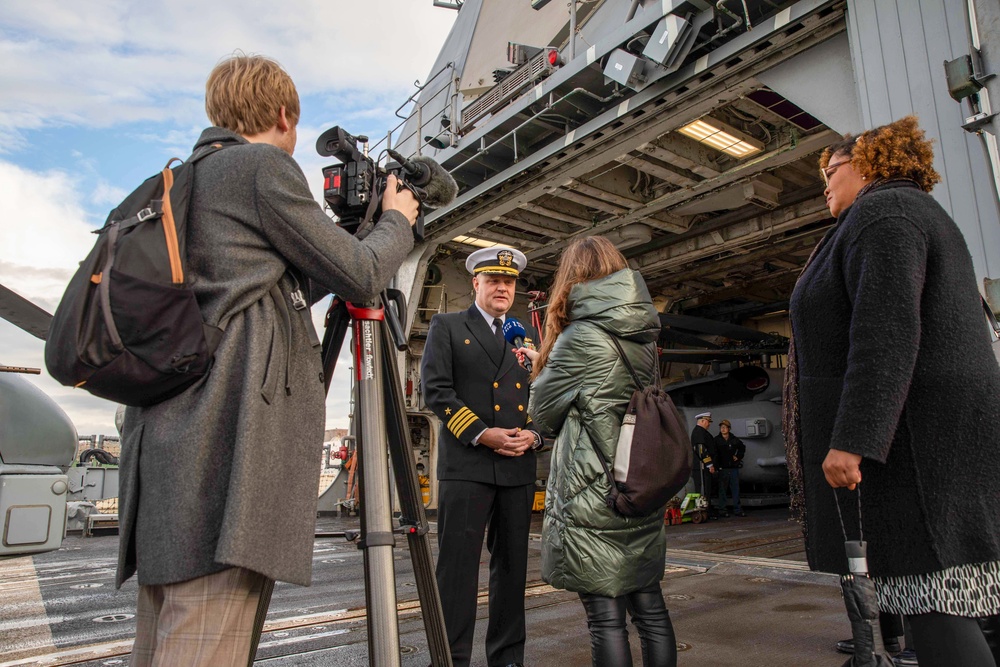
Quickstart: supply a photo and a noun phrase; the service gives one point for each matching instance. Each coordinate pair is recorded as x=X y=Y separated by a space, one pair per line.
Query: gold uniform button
x=495 y=385
x=520 y=408
x=467 y=341
x=497 y=408
x=518 y=385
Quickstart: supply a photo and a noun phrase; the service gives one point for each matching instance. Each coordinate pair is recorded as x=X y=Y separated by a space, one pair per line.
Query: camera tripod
x=381 y=433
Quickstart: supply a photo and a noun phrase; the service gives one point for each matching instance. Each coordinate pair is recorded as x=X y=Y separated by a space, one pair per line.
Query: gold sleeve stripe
x=457 y=417
x=529 y=419
x=465 y=423
x=460 y=425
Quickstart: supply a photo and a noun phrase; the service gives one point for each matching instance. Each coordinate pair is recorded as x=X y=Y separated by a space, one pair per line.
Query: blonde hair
x=897 y=150
x=245 y=93
x=585 y=259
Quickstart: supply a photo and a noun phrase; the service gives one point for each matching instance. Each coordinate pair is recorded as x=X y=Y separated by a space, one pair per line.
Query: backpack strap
x=208 y=149
x=300 y=302
x=628 y=364
x=612 y=497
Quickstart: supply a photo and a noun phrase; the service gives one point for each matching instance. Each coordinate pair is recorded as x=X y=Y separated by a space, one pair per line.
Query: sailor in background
x=729 y=451
x=472 y=381
x=704 y=454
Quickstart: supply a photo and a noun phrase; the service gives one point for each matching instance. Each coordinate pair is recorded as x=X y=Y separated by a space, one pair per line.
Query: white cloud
x=176 y=141
x=104 y=63
x=108 y=195
x=101 y=64
x=44 y=232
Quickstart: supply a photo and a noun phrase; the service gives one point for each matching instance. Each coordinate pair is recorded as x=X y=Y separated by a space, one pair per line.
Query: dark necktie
x=498 y=332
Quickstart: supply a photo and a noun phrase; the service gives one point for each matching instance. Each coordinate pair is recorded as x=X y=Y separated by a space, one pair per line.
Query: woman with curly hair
x=580 y=390
x=891 y=380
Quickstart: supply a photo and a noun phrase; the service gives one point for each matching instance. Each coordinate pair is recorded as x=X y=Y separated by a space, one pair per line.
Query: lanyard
x=857 y=551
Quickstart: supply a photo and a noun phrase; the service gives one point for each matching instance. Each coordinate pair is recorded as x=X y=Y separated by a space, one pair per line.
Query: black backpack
x=653 y=456
x=128 y=327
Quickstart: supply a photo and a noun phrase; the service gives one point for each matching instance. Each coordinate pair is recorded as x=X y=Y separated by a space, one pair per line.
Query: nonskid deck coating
x=730 y=604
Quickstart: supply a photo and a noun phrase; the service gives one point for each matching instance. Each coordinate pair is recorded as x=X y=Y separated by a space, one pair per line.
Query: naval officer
x=472 y=381
x=703 y=443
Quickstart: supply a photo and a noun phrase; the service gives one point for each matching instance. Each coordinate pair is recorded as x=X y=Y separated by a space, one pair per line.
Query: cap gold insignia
x=505 y=258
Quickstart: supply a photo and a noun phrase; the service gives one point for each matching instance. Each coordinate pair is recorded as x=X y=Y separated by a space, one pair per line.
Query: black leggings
x=942 y=640
x=609 y=638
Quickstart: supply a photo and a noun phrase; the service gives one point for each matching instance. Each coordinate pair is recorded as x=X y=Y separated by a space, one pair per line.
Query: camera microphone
x=438 y=186
x=514 y=332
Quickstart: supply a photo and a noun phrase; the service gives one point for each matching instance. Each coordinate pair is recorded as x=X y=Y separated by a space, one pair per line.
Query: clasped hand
x=507 y=441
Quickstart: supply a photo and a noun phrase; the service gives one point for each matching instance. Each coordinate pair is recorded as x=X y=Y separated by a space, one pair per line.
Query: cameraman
x=219 y=484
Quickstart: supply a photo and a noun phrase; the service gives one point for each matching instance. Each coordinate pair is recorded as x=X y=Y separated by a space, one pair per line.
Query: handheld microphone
x=513 y=332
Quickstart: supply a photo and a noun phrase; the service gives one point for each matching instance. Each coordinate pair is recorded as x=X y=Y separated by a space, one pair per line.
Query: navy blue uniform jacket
x=471 y=386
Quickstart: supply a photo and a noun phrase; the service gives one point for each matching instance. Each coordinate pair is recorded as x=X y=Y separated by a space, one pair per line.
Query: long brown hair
x=585 y=259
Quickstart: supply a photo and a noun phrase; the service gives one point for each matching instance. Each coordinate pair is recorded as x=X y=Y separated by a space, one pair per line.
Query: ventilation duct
x=630 y=235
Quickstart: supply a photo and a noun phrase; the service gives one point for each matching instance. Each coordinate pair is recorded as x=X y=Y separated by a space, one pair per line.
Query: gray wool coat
x=227 y=473
x=582 y=394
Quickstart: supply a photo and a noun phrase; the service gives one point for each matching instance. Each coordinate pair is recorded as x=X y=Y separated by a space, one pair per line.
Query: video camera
x=353 y=189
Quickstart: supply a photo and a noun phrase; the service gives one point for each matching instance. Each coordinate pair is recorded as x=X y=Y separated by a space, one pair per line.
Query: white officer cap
x=703 y=415
x=496 y=260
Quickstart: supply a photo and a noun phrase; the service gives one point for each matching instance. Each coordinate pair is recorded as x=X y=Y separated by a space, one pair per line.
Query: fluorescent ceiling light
x=722 y=137
x=472 y=240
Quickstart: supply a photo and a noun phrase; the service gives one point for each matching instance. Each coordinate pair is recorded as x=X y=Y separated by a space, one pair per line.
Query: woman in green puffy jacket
x=580 y=391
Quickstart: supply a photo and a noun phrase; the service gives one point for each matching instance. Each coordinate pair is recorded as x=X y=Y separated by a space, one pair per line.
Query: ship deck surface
x=738 y=590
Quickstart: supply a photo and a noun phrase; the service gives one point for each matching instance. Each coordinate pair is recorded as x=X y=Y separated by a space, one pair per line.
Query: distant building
x=334 y=435
x=109 y=443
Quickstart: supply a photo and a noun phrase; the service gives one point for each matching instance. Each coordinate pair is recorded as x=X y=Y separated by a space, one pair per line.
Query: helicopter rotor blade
x=707 y=356
x=684 y=338
x=700 y=325
x=24 y=314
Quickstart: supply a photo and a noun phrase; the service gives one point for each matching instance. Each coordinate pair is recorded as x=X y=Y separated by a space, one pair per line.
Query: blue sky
x=96 y=96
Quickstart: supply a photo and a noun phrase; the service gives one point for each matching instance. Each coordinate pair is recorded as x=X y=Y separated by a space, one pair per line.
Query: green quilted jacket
x=581 y=395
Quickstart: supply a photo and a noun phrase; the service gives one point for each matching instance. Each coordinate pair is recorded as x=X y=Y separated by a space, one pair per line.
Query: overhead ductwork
x=630 y=235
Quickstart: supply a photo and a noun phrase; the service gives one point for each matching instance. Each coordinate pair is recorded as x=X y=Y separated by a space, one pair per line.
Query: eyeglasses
x=830 y=170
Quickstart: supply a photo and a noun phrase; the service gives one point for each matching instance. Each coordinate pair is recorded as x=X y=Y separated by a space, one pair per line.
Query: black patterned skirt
x=964 y=590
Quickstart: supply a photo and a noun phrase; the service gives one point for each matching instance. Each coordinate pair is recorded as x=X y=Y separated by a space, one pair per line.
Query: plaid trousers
x=204 y=622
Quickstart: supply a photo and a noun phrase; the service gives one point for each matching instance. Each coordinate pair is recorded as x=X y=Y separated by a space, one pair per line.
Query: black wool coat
x=471 y=386
x=895 y=365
